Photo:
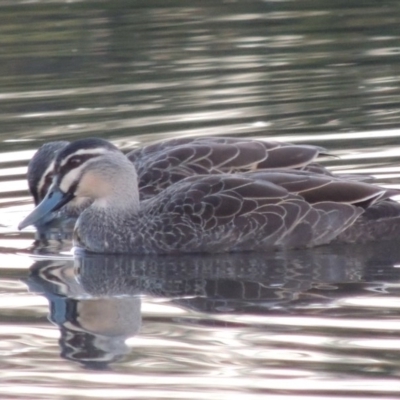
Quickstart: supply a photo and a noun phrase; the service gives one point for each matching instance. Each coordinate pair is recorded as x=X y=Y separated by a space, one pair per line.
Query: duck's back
x=161 y=165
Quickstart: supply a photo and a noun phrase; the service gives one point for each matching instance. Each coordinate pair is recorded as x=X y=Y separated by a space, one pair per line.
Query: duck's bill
x=53 y=201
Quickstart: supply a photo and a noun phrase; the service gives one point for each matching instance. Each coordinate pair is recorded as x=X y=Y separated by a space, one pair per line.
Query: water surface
x=321 y=323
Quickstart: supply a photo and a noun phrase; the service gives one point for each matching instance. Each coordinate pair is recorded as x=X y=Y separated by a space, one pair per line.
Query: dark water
x=319 y=324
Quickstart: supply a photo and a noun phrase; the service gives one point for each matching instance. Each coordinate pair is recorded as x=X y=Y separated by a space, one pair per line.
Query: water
x=320 y=324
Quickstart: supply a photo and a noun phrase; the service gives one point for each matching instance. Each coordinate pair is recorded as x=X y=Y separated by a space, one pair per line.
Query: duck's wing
x=316 y=188
x=380 y=219
x=164 y=145
x=173 y=164
x=226 y=212
x=316 y=168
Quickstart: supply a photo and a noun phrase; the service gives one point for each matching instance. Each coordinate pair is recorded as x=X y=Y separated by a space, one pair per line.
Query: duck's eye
x=74 y=161
x=48 y=179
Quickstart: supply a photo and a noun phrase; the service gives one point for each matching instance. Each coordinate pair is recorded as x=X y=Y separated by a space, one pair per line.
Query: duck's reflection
x=93 y=329
x=95 y=299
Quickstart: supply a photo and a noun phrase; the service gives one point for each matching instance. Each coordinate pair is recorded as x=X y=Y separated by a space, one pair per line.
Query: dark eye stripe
x=73 y=162
x=42 y=190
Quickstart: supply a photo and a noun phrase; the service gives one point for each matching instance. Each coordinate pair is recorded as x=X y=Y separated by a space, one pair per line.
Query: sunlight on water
x=319 y=324
x=16 y=261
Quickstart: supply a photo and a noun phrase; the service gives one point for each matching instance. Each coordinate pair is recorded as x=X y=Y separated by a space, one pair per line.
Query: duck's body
x=162 y=164
x=205 y=213
x=213 y=214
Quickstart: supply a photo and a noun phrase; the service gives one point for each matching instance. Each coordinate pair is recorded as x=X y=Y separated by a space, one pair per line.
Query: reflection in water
x=93 y=331
x=96 y=300
x=320 y=324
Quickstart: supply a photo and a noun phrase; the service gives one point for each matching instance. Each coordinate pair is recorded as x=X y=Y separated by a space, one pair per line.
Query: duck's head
x=41 y=169
x=86 y=168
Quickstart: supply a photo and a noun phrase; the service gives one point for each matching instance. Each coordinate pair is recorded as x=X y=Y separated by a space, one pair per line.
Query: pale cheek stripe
x=70 y=178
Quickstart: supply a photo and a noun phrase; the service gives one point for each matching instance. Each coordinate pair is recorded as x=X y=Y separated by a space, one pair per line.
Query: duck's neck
x=122 y=196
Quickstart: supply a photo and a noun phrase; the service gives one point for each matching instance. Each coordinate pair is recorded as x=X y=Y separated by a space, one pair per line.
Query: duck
x=40 y=176
x=160 y=164
x=262 y=210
